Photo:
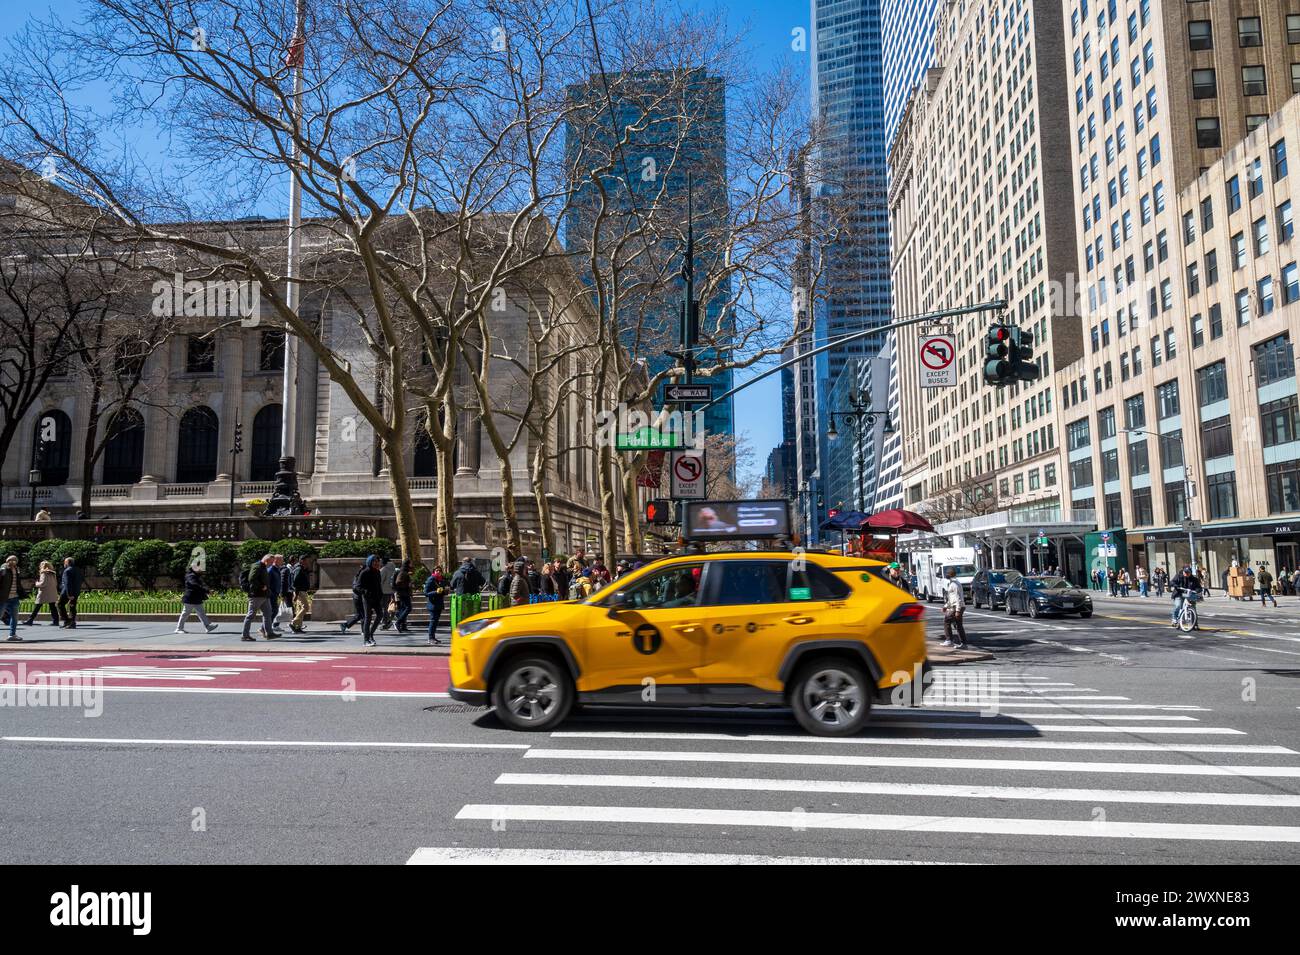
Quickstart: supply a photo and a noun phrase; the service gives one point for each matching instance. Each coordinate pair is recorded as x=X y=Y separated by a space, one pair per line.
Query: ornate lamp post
x=859 y=418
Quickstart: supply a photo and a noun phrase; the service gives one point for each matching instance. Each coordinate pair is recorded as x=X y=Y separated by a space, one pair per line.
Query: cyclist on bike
x=1185 y=583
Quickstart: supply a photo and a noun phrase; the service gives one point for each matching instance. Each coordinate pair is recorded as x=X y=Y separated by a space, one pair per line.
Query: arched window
x=196 y=453
x=124 y=451
x=266 y=444
x=52 y=448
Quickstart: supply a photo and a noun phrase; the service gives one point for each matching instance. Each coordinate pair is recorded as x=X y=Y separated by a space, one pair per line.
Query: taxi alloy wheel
x=831 y=698
x=532 y=693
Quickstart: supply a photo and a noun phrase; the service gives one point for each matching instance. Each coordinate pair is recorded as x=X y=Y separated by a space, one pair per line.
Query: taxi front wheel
x=831 y=697
x=532 y=693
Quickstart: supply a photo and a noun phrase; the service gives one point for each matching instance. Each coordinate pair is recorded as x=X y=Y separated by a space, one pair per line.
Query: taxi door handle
x=686 y=627
x=799 y=619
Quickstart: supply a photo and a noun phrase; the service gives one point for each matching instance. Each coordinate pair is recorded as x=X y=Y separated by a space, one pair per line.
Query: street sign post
x=938 y=361
x=686 y=473
x=686 y=394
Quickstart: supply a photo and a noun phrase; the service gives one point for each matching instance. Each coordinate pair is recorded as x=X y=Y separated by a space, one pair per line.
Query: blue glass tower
x=907 y=29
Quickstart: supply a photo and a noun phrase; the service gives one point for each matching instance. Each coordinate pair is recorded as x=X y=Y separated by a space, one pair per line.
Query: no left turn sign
x=686 y=473
x=938 y=354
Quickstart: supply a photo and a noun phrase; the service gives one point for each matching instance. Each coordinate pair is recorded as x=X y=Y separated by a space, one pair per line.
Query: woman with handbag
x=46 y=592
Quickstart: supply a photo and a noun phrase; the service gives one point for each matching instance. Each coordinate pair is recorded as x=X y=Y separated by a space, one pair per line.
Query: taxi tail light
x=907 y=613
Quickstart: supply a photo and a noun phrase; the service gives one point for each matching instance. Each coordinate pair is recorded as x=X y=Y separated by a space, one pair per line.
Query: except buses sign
x=938 y=361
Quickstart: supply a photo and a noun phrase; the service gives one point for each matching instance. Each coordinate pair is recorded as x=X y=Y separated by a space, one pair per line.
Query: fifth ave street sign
x=938 y=356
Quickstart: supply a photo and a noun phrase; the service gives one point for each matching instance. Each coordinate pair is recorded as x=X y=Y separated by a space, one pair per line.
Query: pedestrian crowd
x=57 y=590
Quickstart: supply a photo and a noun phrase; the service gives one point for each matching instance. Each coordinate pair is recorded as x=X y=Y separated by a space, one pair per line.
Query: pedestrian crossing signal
x=658 y=512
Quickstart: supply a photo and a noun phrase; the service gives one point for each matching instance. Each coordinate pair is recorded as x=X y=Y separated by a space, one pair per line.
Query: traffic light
x=1023 y=366
x=239 y=439
x=658 y=511
x=997 y=355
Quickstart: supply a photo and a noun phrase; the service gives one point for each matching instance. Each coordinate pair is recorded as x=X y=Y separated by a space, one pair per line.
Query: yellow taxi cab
x=822 y=634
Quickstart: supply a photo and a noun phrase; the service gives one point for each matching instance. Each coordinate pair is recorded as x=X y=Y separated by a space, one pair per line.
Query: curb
x=943 y=657
x=240 y=647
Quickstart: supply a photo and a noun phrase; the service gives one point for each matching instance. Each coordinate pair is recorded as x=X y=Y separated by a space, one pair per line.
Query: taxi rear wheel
x=831 y=697
x=532 y=693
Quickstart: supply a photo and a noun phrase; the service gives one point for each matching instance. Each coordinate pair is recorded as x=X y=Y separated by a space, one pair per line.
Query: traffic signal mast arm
x=997 y=305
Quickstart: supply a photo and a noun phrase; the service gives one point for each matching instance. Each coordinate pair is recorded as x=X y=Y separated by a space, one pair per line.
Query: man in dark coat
x=467 y=579
x=70 y=584
x=367 y=600
x=259 y=598
x=11 y=592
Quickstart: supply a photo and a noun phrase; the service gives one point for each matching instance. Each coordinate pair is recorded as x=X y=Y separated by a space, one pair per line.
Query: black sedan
x=1040 y=595
x=989 y=588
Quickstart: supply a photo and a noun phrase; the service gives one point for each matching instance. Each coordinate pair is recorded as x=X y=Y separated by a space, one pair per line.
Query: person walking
x=301 y=594
x=367 y=597
x=70 y=582
x=192 y=598
x=275 y=576
x=954 y=608
x=519 y=591
x=46 y=592
x=435 y=592
x=466 y=579
x=1144 y=589
x=288 y=572
x=1160 y=579
x=1264 y=581
x=11 y=594
x=257 y=584
x=387 y=574
x=403 y=588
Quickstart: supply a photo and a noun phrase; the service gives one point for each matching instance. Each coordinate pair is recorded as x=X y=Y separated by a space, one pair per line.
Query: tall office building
x=680 y=123
x=979 y=168
x=906 y=30
x=848 y=98
x=1184 y=125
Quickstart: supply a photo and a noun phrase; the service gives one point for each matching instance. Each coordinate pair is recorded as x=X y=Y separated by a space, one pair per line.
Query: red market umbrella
x=898 y=520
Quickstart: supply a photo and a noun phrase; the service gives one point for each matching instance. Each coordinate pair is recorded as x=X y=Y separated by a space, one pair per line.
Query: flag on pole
x=293 y=57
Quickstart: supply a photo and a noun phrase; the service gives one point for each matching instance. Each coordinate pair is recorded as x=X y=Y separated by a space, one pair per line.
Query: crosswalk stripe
x=880 y=714
x=1026 y=704
x=968 y=699
x=469 y=856
x=952 y=791
x=797 y=820
x=920 y=762
x=1098 y=745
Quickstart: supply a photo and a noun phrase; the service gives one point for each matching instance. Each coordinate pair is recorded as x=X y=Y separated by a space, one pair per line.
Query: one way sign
x=685 y=393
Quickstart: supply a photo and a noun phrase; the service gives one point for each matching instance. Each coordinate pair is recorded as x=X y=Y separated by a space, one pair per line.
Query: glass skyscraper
x=906 y=28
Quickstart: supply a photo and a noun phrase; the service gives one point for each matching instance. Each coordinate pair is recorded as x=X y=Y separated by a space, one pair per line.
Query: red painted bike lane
x=215 y=671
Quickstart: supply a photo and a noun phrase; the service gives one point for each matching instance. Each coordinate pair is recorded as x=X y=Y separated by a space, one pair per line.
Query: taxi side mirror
x=617 y=603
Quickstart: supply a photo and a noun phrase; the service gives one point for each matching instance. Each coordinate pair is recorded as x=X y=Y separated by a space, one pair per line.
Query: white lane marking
x=1008 y=698
x=919 y=762
x=252 y=691
x=959 y=743
x=256 y=658
x=310 y=743
x=468 y=856
x=1066 y=646
x=1021 y=704
x=886 y=715
x=9 y=656
x=952 y=791
x=641 y=815
x=1251 y=646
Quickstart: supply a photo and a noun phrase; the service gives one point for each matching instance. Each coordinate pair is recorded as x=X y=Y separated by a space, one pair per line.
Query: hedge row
x=145 y=562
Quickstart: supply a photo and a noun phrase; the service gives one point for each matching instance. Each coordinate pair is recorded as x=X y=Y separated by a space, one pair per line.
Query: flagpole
x=288 y=473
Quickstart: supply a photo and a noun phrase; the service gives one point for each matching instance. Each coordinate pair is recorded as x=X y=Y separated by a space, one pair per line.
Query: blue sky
x=766 y=26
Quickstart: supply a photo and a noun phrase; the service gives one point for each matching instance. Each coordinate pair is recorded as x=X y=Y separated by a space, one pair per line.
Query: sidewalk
x=1217 y=606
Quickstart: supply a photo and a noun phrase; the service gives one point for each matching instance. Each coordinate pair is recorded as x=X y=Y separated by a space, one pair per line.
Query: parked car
x=989 y=588
x=1040 y=595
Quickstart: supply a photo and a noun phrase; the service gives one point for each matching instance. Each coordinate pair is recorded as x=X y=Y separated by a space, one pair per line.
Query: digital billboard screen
x=736 y=520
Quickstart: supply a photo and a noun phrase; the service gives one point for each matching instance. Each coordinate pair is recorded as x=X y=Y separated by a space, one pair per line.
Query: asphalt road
x=1111 y=740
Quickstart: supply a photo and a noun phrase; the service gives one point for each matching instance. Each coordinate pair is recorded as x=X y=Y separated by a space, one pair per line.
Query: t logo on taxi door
x=647 y=639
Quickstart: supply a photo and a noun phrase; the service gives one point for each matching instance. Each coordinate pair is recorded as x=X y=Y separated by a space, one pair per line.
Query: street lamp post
x=34 y=476
x=1187 y=485
x=859 y=418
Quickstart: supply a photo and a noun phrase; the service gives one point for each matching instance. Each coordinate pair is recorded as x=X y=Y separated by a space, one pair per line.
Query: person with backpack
x=46 y=592
x=435 y=591
x=504 y=581
x=256 y=582
x=301 y=594
x=402 y=590
x=192 y=601
x=519 y=589
x=367 y=597
x=70 y=582
x=466 y=579
x=12 y=593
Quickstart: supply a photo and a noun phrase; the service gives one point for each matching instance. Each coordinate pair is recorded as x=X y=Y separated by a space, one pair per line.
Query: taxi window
x=749 y=582
x=675 y=587
x=817 y=582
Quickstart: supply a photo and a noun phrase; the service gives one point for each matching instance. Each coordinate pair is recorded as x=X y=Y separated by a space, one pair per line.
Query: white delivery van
x=931 y=569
